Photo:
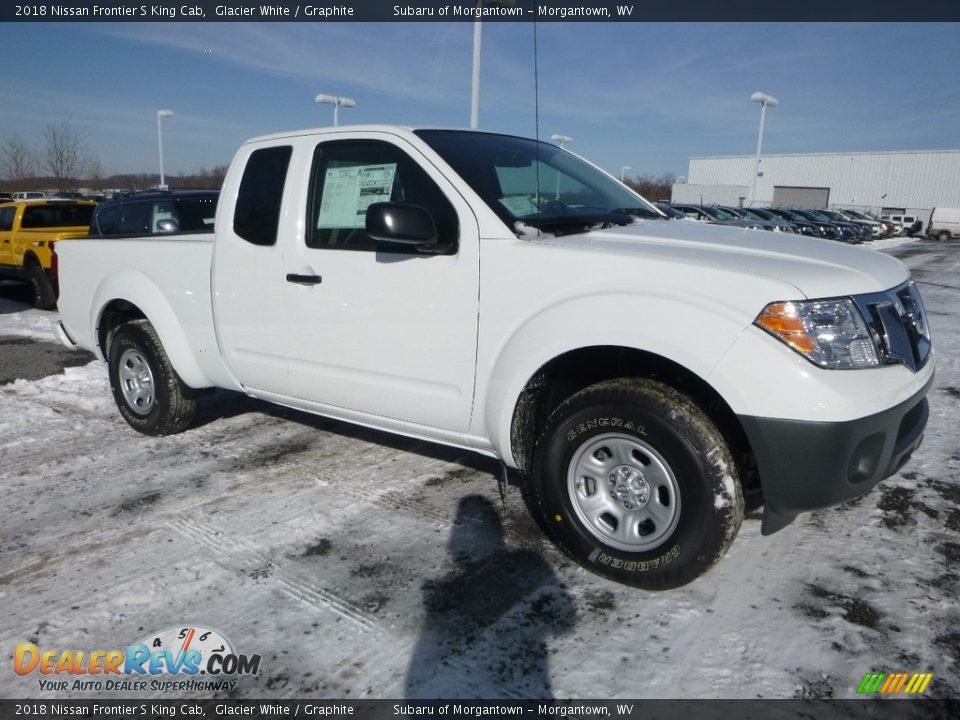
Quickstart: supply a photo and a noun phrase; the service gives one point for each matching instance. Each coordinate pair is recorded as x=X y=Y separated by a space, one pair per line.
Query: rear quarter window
x=257 y=214
x=56 y=216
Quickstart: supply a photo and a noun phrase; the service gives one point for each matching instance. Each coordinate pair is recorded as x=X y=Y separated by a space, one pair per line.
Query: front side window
x=135 y=218
x=348 y=177
x=164 y=217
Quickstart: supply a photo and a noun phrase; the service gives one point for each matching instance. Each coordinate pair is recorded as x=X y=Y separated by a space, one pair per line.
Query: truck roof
x=339 y=129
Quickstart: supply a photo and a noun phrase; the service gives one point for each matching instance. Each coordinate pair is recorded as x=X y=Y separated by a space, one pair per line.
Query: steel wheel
x=136 y=381
x=623 y=492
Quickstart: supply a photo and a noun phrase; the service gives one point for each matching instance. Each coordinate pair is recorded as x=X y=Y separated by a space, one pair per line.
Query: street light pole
x=477 y=38
x=160 y=115
x=764 y=100
x=475 y=84
x=337 y=103
x=563 y=140
x=624 y=170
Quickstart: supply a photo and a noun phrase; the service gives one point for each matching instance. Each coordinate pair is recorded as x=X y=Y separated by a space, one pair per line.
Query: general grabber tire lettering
x=151 y=396
x=634 y=481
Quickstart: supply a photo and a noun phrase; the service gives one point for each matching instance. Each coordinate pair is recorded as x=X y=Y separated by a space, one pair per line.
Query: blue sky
x=645 y=95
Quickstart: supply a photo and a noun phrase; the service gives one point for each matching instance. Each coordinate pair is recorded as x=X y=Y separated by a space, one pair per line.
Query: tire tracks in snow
x=234 y=554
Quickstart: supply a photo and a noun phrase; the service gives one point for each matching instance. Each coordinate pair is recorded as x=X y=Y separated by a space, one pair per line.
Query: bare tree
x=653 y=188
x=95 y=175
x=18 y=160
x=64 y=155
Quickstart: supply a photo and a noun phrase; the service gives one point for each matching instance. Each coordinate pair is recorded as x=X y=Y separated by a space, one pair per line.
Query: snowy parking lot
x=361 y=565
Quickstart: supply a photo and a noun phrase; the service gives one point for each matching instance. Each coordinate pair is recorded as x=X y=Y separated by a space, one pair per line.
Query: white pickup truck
x=646 y=377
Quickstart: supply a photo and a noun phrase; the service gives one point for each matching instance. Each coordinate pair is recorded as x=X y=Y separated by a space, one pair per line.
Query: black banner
x=460 y=709
x=486 y=10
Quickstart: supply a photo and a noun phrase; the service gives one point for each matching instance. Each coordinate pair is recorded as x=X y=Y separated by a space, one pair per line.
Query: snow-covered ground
x=362 y=565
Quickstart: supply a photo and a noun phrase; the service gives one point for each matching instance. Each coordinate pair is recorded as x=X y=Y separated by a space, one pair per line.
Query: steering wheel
x=554 y=207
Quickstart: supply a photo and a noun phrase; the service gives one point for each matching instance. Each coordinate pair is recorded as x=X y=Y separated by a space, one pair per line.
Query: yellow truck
x=27 y=230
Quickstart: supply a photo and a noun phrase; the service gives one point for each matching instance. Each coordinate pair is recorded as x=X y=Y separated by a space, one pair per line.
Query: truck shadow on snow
x=491 y=608
x=487 y=619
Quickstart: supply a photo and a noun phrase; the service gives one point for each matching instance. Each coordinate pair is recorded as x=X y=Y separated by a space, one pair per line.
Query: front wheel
x=150 y=395
x=637 y=484
x=944 y=236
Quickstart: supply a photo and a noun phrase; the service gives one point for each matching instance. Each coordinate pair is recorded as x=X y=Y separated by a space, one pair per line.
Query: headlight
x=828 y=333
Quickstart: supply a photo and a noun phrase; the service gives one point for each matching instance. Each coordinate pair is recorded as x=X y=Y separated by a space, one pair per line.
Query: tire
x=634 y=481
x=150 y=395
x=43 y=296
x=944 y=236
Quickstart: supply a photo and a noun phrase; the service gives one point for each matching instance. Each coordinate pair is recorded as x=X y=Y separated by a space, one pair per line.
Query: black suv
x=156 y=212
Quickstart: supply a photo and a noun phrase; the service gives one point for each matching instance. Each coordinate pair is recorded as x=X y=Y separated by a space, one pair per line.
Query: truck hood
x=816 y=268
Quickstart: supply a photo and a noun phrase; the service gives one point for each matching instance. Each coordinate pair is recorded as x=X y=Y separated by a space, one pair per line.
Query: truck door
x=247 y=262
x=377 y=329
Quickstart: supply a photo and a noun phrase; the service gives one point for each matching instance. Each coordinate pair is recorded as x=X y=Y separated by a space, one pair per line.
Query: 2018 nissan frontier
x=503 y=295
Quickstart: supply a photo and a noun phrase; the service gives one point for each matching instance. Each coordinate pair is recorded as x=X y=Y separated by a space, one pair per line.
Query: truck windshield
x=530 y=183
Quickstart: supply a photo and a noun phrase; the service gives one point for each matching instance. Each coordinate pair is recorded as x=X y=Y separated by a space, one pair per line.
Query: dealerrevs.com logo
x=186 y=658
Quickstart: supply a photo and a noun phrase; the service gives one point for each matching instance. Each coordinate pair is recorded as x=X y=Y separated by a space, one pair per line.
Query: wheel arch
x=131 y=295
x=572 y=371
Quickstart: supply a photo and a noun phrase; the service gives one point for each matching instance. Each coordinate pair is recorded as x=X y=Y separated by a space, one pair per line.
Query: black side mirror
x=399 y=223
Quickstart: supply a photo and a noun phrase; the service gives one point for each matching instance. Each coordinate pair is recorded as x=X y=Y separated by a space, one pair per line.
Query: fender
x=692 y=331
x=140 y=290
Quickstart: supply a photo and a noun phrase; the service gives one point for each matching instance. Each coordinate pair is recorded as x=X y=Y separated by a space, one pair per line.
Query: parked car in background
x=29 y=195
x=904 y=223
x=878 y=228
x=860 y=228
x=28 y=229
x=767 y=223
x=944 y=223
x=847 y=232
x=802 y=227
x=825 y=230
x=670 y=211
x=156 y=212
x=721 y=216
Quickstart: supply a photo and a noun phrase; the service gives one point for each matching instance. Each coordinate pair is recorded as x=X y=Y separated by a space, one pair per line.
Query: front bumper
x=807 y=465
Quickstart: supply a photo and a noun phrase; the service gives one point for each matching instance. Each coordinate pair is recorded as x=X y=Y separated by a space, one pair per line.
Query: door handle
x=304 y=279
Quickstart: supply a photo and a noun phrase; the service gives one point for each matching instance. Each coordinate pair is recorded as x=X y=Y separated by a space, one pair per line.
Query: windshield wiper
x=570 y=224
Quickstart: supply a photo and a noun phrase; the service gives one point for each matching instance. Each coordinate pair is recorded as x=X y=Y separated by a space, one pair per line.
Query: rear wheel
x=150 y=395
x=637 y=484
x=44 y=297
x=944 y=236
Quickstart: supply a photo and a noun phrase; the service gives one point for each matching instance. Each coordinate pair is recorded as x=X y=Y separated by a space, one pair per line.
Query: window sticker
x=349 y=191
x=520 y=205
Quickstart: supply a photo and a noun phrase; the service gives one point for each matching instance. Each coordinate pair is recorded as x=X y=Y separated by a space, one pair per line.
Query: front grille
x=898 y=324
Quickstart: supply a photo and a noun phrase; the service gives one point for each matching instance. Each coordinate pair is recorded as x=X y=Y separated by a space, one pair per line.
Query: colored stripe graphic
x=871 y=683
x=909 y=683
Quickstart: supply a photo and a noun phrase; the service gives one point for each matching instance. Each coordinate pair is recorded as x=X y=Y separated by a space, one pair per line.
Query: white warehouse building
x=889 y=183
